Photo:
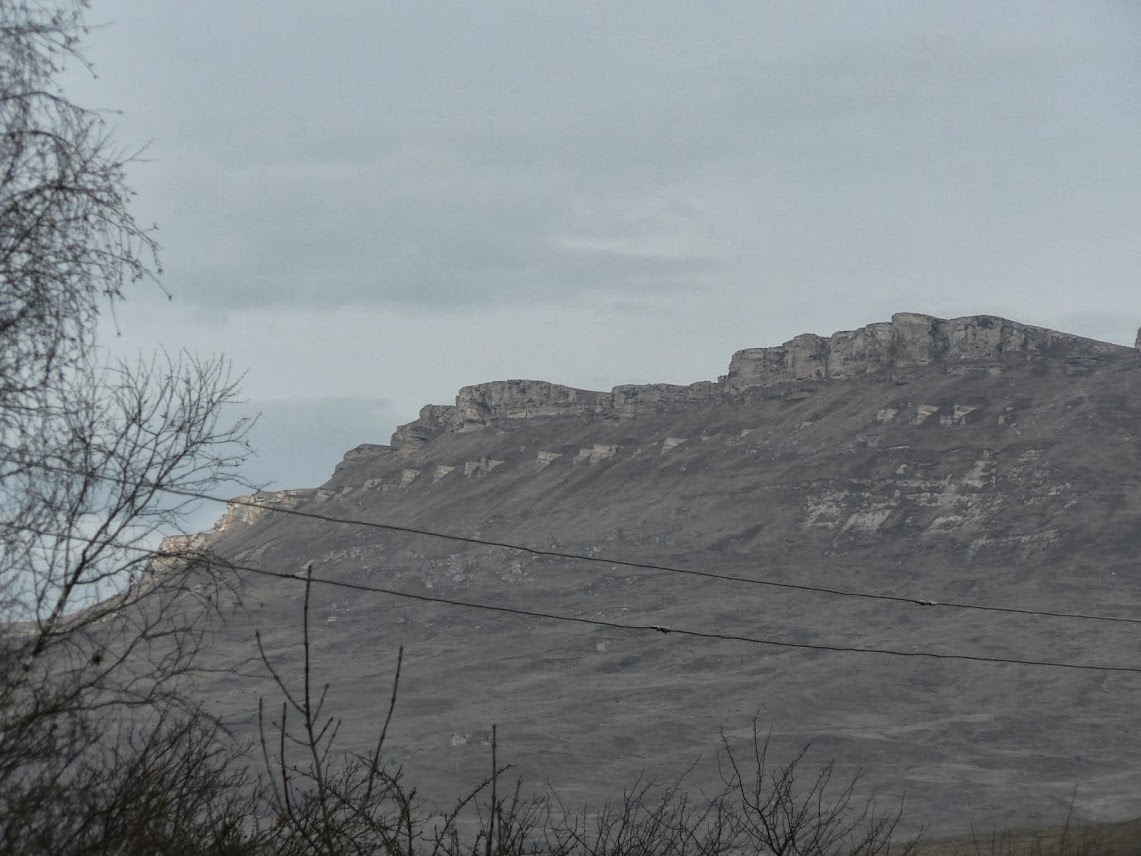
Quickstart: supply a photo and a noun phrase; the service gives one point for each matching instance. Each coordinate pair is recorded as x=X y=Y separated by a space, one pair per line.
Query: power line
x=681 y=631
x=603 y=560
x=647 y=566
x=595 y=622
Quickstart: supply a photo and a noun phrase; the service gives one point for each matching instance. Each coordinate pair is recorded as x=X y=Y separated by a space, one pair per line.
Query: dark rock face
x=971 y=460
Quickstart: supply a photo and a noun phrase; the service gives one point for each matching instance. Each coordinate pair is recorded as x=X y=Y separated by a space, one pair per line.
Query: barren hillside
x=975 y=461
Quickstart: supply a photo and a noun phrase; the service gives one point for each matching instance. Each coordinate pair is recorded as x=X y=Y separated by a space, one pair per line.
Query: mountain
x=973 y=461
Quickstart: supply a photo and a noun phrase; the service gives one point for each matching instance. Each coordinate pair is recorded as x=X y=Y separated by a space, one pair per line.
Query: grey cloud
x=438 y=155
x=343 y=239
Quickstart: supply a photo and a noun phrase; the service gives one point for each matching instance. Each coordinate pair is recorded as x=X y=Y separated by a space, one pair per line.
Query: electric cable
x=246 y=502
x=615 y=625
x=649 y=566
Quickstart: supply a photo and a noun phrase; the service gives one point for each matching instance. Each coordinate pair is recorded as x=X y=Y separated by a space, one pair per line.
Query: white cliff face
x=907 y=343
x=971 y=459
x=520 y=399
x=244 y=511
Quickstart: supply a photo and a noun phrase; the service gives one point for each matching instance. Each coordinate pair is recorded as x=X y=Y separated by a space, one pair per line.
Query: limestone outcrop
x=242 y=511
x=480 y=405
x=520 y=399
x=909 y=342
x=434 y=419
x=247 y=510
x=940 y=463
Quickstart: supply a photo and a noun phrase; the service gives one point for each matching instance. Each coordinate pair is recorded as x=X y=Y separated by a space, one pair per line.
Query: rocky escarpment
x=244 y=511
x=910 y=342
x=480 y=405
x=924 y=462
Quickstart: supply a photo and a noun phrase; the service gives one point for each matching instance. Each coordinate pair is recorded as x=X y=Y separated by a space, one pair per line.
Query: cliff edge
x=910 y=342
x=934 y=464
x=883 y=352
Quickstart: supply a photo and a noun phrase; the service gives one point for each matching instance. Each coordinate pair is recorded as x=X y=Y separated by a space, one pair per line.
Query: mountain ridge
x=879 y=351
x=983 y=475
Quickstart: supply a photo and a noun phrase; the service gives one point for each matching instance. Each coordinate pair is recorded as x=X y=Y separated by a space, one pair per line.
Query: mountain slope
x=970 y=460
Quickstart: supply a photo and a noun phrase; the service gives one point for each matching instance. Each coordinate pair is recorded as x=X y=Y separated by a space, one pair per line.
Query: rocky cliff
x=973 y=460
x=909 y=341
x=878 y=352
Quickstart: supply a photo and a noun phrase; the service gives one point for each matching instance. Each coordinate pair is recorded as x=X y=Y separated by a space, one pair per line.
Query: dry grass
x=1098 y=839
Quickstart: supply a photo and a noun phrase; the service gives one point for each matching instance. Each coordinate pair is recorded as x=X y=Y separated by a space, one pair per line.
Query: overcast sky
x=369 y=204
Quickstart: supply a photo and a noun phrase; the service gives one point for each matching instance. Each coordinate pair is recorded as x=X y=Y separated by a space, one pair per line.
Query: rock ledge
x=909 y=342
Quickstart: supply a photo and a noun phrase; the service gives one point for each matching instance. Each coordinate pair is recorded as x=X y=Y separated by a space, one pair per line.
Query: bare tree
x=170 y=785
x=68 y=242
x=326 y=801
x=90 y=450
x=775 y=809
x=100 y=750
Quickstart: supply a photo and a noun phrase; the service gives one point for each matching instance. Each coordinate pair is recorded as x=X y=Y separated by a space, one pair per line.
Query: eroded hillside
x=972 y=460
